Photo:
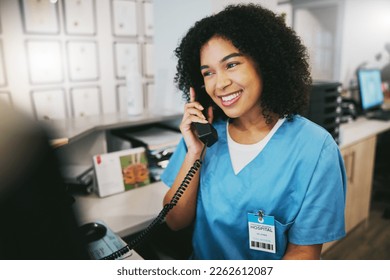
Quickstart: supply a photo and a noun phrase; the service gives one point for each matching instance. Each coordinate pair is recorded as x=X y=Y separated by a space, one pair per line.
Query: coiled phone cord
x=163 y=213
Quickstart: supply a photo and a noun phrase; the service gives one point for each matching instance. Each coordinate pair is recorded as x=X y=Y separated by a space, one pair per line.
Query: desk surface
x=125 y=213
x=361 y=129
x=131 y=211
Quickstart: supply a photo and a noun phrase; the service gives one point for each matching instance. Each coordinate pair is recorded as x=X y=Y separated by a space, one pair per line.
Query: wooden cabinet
x=359 y=164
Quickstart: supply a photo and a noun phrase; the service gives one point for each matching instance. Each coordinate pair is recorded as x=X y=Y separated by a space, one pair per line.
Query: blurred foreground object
x=37 y=220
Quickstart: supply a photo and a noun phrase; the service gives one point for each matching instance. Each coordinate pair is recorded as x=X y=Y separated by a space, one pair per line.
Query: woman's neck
x=246 y=130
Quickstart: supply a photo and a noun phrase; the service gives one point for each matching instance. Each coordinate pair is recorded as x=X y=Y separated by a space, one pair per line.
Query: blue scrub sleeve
x=175 y=162
x=321 y=218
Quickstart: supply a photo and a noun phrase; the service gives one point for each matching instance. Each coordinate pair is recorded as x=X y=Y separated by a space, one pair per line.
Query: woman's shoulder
x=299 y=125
x=302 y=123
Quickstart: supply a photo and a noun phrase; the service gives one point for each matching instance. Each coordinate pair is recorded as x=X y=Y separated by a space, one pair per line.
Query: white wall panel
x=82 y=58
x=79 y=16
x=40 y=16
x=86 y=101
x=124 y=18
x=45 y=63
x=148 y=60
x=148 y=19
x=49 y=104
x=126 y=59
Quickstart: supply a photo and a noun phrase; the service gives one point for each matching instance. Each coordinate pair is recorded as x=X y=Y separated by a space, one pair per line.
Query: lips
x=230 y=99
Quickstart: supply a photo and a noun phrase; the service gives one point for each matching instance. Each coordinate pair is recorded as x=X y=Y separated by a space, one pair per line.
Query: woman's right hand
x=192 y=113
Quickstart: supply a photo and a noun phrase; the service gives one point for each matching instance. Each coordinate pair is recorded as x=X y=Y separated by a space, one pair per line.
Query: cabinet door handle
x=349 y=163
x=352 y=167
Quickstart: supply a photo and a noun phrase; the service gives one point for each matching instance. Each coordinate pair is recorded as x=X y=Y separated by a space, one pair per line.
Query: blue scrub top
x=298 y=178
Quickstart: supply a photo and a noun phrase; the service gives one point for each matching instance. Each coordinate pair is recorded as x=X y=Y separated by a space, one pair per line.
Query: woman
x=273 y=185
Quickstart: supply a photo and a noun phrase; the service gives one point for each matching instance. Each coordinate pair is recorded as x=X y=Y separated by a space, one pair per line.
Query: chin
x=232 y=115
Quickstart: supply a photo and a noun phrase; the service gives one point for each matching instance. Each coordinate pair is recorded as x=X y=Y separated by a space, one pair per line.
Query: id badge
x=261 y=232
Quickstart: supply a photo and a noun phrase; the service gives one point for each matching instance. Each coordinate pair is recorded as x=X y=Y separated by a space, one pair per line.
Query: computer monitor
x=370 y=88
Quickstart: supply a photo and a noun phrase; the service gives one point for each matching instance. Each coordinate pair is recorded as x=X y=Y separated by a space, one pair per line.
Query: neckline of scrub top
x=225 y=135
x=242 y=154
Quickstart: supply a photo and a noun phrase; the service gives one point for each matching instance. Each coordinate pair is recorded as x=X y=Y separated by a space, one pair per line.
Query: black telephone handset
x=206 y=132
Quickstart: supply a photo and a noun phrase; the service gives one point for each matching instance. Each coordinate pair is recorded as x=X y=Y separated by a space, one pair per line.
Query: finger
x=195 y=104
x=210 y=114
x=192 y=94
x=195 y=112
x=193 y=118
x=186 y=124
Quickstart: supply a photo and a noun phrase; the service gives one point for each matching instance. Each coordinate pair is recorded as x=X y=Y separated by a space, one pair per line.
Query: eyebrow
x=223 y=59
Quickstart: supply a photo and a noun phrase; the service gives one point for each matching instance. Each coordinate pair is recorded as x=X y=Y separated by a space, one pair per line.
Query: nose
x=223 y=81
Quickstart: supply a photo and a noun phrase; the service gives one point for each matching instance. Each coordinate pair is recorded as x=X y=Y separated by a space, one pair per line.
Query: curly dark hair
x=261 y=35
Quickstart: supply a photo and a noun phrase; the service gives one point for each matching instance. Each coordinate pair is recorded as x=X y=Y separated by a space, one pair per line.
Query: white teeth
x=230 y=97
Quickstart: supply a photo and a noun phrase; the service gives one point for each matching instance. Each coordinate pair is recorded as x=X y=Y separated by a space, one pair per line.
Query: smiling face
x=231 y=78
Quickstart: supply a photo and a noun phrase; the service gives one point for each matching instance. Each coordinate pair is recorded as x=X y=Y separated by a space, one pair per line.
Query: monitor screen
x=370 y=87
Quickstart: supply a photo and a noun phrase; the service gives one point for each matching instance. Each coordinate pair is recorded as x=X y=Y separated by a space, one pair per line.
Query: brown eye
x=231 y=65
x=206 y=73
